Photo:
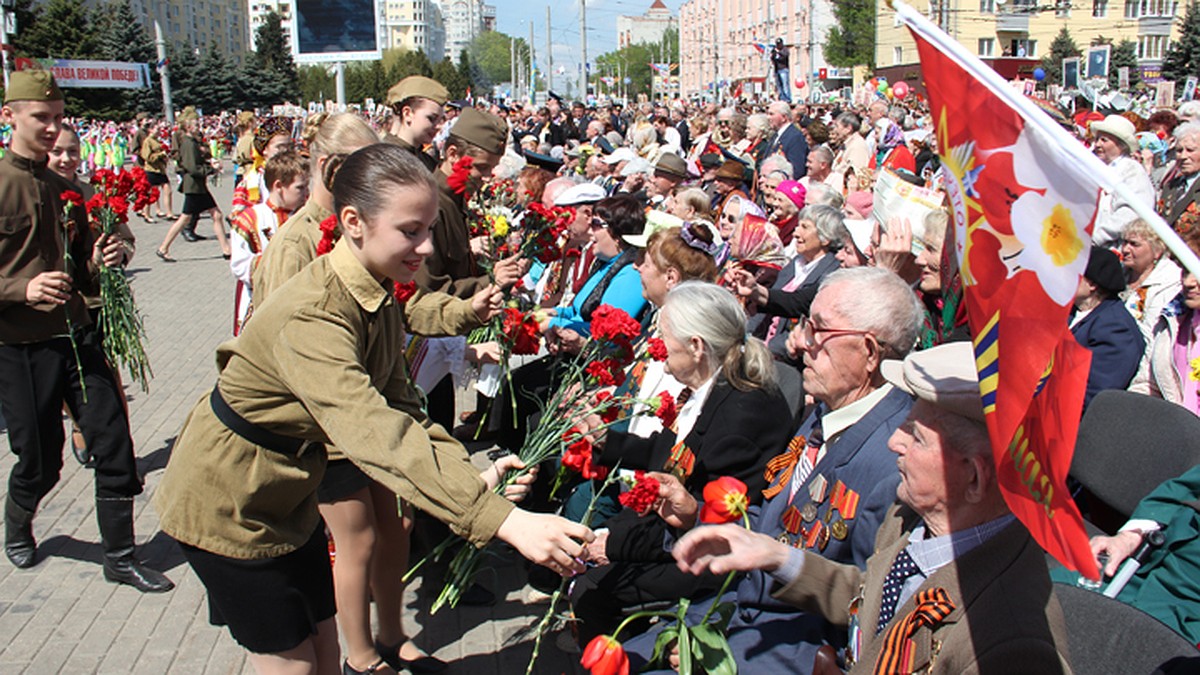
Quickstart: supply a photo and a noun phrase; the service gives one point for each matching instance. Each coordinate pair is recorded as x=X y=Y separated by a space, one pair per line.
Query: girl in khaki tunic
x=322 y=362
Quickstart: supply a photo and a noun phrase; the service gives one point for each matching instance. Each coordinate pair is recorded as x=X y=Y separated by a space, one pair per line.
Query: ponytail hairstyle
x=367 y=176
x=709 y=312
x=335 y=137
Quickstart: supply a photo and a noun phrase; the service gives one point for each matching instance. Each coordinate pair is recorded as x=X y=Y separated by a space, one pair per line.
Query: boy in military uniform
x=41 y=305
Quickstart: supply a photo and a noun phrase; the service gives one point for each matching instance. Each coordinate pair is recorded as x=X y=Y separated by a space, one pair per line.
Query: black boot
x=19 y=545
x=115 y=517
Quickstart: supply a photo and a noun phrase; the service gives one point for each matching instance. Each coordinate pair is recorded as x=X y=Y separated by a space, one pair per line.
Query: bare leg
x=352 y=523
x=388 y=566
x=317 y=655
x=180 y=223
x=219 y=230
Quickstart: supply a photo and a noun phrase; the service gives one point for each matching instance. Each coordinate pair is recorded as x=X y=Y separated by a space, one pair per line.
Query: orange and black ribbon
x=933 y=606
x=784 y=465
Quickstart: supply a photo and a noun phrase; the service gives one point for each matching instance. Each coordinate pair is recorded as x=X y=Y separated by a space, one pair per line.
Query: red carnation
x=642 y=495
x=578 y=456
x=329 y=235
x=607 y=372
x=666 y=410
x=657 y=349
x=608 y=408
x=611 y=324
x=72 y=197
x=403 y=292
x=459 y=175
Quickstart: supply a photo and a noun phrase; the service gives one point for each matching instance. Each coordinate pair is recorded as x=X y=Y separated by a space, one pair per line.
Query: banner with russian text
x=1023 y=198
x=91 y=74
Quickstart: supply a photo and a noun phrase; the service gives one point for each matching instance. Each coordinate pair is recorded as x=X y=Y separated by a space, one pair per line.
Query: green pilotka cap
x=32 y=85
x=481 y=129
x=416 y=86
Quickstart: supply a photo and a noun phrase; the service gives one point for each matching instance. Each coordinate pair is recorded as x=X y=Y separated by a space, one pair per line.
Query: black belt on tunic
x=253 y=433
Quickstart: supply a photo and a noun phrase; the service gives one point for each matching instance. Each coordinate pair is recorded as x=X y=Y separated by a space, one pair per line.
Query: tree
x=316 y=84
x=445 y=72
x=408 y=63
x=275 y=79
x=1124 y=55
x=62 y=30
x=214 y=88
x=26 y=15
x=366 y=80
x=852 y=41
x=633 y=61
x=1183 y=58
x=492 y=51
x=1063 y=47
x=465 y=71
x=183 y=70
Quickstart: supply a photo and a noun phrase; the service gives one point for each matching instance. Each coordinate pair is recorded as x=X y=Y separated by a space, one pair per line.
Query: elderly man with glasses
x=831 y=486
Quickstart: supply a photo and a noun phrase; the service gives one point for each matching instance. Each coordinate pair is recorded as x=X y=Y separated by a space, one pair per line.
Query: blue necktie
x=902 y=568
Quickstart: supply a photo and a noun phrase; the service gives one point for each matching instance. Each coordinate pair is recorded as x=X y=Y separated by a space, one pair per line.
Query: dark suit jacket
x=792 y=305
x=1112 y=335
x=735 y=434
x=791 y=145
x=1006 y=617
x=1174 y=198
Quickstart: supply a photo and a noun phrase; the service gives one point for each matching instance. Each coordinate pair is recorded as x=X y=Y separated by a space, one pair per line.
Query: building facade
x=257 y=14
x=1012 y=35
x=645 y=29
x=415 y=25
x=463 y=21
x=719 y=57
x=199 y=23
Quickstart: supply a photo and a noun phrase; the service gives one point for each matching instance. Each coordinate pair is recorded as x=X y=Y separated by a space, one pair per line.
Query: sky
x=513 y=17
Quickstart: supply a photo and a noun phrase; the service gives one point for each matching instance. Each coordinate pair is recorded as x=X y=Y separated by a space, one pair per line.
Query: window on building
x=1099 y=9
x=897 y=55
x=987 y=46
x=1152 y=47
x=987 y=6
x=1025 y=49
x=1062 y=9
x=1131 y=9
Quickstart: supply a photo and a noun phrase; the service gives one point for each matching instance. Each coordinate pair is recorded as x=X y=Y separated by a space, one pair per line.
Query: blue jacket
x=624 y=292
x=1112 y=335
x=792 y=145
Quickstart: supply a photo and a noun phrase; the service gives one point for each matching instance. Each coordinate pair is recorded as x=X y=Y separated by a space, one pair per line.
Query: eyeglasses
x=723 y=123
x=730 y=218
x=811 y=331
x=598 y=223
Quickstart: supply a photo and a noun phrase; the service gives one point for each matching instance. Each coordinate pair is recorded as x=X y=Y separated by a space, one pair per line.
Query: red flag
x=1023 y=204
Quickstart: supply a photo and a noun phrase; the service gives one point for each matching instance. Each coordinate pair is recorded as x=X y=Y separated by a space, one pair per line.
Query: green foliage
x=408 y=63
x=1063 y=47
x=62 y=29
x=366 y=79
x=121 y=37
x=213 y=89
x=184 y=72
x=852 y=41
x=271 y=67
x=1183 y=58
x=316 y=84
x=492 y=52
x=444 y=71
x=466 y=72
x=634 y=62
x=1124 y=55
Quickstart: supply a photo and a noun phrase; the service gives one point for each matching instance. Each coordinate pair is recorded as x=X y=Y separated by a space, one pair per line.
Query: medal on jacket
x=681 y=462
x=816 y=534
x=843 y=504
x=792 y=520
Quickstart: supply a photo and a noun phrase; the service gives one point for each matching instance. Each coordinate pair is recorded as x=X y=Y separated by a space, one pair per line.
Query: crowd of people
x=817 y=348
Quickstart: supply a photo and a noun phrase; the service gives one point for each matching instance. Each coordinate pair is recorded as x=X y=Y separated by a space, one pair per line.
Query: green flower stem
x=68 y=263
x=728 y=579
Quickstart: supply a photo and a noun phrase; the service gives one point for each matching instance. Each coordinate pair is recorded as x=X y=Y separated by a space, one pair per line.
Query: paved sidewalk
x=62 y=616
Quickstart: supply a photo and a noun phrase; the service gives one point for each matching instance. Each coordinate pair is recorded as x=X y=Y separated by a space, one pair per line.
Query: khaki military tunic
x=452 y=268
x=31 y=242
x=243 y=153
x=426 y=158
x=323 y=362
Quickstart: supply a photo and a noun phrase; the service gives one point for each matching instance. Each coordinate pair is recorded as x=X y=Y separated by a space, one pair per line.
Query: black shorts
x=269 y=605
x=156 y=178
x=341 y=480
x=194 y=205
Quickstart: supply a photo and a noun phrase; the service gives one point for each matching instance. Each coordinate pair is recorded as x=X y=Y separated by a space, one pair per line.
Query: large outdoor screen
x=336 y=30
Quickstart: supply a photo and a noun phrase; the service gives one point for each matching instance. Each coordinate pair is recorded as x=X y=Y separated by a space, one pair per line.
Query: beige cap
x=481 y=129
x=32 y=85
x=418 y=86
x=944 y=376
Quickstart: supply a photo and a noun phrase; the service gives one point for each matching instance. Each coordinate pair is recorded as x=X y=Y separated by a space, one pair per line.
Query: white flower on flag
x=1051 y=219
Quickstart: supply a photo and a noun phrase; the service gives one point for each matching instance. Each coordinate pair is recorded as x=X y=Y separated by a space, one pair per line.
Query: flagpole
x=1033 y=115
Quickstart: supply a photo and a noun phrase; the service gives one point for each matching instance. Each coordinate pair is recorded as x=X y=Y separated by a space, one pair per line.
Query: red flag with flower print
x=1023 y=197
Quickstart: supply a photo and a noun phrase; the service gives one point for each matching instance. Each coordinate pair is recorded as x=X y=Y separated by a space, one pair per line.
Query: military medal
x=843 y=503
x=814 y=535
x=839 y=529
x=817 y=488
x=792 y=518
x=822 y=537
x=809 y=512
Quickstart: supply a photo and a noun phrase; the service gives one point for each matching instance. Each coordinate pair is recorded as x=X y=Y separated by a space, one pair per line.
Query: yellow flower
x=500 y=226
x=1194 y=376
x=1060 y=238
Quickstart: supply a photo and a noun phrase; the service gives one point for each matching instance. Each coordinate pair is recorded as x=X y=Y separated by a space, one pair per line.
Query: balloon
x=900 y=89
x=882 y=78
x=800 y=84
x=882 y=87
x=888 y=93
x=1039 y=74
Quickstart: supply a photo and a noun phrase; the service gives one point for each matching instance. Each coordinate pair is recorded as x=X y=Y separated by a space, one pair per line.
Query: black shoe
x=190 y=236
x=81 y=453
x=348 y=669
x=19 y=545
x=115 y=517
x=423 y=664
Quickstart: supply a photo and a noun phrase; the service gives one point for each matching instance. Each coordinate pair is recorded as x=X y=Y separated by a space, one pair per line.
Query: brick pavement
x=62 y=616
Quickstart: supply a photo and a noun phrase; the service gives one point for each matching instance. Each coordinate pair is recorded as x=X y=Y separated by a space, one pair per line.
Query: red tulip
x=605 y=656
x=724 y=500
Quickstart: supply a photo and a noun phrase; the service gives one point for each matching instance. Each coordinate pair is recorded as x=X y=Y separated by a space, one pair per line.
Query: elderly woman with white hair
x=731 y=413
x=1116 y=144
x=1180 y=203
x=1153 y=277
